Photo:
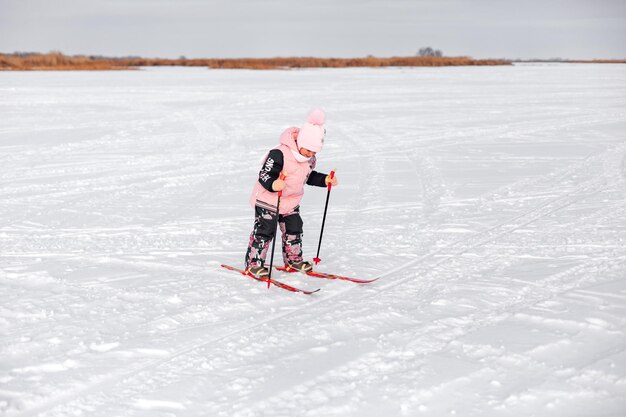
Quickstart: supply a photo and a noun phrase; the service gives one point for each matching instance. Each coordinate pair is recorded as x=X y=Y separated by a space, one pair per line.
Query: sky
x=526 y=29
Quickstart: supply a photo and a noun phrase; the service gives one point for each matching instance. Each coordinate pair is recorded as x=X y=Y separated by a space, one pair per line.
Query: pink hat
x=311 y=135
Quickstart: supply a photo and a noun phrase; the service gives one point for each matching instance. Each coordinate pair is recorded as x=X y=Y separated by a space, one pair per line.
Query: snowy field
x=491 y=202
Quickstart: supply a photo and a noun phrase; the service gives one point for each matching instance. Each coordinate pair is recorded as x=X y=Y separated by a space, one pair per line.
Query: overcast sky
x=327 y=28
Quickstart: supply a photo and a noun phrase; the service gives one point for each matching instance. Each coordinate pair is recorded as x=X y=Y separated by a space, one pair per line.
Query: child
x=295 y=158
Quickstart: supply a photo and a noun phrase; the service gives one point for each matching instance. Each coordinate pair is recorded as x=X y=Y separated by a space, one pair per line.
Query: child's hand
x=279 y=184
x=333 y=181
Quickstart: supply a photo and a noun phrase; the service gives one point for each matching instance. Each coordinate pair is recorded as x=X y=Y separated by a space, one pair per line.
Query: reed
x=312 y=62
x=56 y=61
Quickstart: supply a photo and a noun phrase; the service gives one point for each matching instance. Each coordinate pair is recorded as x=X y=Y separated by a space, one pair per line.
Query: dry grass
x=415 y=61
x=58 y=61
x=311 y=62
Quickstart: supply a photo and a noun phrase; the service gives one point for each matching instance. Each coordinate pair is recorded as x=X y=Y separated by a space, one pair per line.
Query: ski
x=328 y=276
x=270 y=280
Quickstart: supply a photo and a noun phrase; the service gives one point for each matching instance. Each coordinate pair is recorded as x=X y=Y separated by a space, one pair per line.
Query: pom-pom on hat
x=311 y=135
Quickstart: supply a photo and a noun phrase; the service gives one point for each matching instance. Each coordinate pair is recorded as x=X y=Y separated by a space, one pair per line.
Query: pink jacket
x=297 y=175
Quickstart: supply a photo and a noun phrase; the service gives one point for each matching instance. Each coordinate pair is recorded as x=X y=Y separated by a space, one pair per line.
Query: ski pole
x=280 y=194
x=330 y=185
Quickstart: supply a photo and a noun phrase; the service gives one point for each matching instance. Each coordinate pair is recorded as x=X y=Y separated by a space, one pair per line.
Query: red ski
x=328 y=276
x=270 y=281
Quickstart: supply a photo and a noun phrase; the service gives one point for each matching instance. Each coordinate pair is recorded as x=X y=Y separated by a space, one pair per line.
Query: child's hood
x=288 y=138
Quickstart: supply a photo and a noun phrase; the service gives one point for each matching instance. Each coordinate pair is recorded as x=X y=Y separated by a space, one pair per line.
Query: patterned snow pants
x=264 y=228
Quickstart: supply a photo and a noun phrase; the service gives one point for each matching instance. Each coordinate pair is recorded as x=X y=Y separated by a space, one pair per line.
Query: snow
x=490 y=202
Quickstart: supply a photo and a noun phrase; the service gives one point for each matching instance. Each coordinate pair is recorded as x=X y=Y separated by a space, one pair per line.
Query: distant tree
x=428 y=51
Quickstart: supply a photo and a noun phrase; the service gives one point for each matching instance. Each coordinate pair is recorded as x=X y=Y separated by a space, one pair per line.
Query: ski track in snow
x=491 y=202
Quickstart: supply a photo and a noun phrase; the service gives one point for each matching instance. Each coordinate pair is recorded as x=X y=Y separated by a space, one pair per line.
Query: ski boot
x=300 y=266
x=259 y=272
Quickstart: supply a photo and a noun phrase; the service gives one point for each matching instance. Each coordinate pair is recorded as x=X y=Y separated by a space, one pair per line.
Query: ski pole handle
x=332 y=175
x=282 y=178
